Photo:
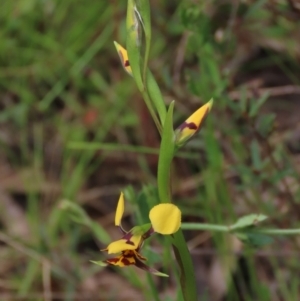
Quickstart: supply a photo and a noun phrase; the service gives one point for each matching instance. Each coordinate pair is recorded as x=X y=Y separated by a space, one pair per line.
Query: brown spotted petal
x=128 y=242
x=130 y=257
x=126 y=258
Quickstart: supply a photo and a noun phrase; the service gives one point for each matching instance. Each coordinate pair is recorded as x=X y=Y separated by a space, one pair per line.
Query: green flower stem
x=220 y=228
x=209 y=227
x=182 y=255
x=166 y=153
x=124 y=148
x=280 y=231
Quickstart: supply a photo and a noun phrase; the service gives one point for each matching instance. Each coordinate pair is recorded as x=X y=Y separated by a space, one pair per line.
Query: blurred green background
x=67 y=108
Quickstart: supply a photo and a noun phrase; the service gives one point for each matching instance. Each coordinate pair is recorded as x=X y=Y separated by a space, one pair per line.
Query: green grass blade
x=156 y=96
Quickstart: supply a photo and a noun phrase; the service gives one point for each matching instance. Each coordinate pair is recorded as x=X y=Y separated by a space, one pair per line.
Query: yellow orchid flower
x=122 y=52
x=193 y=124
x=165 y=219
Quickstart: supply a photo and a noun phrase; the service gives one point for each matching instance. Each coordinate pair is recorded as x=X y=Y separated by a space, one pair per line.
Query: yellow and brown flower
x=192 y=125
x=122 y=52
x=165 y=219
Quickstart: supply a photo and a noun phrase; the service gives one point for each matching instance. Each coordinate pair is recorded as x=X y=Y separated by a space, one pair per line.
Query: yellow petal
x=165 y=218
x=119 y=246
x=120 y=210
x=122 y=52
x=193 y=123
x=197 y=117
x=136 y=239
x=124 y=244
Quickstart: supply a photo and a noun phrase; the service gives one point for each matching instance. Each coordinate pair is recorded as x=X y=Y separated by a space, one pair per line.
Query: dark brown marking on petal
x=125 y=253
x=128 y=253
x=127 y=236
x=112 y=260
x=190 y=125
x=125 y=261
x=124 y=62
x=148 y=233
x=139 y=256
x=145 y=267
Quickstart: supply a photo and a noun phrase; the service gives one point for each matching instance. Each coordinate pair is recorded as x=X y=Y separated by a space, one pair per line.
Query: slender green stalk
x=279 y=231
x=125 y=148
x=220 y=228
x=166 y=153
x=182 y=255
x=209 y=227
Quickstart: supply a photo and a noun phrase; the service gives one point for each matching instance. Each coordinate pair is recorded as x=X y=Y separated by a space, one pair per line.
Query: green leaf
x=184 y=260
x=166 y=153
x=254 y=239
x=265 y=124
x=79 y=216
x=156 y=96
x=255 y=154
x=248 y=221
x=243 y=101
x=143 y=208
x=257 y=104
x=146 y=199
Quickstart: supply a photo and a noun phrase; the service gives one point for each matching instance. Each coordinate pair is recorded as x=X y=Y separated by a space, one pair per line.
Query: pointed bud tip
x=210 y=103
x=160 y=274
x=101 y=263
x=119 y=210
